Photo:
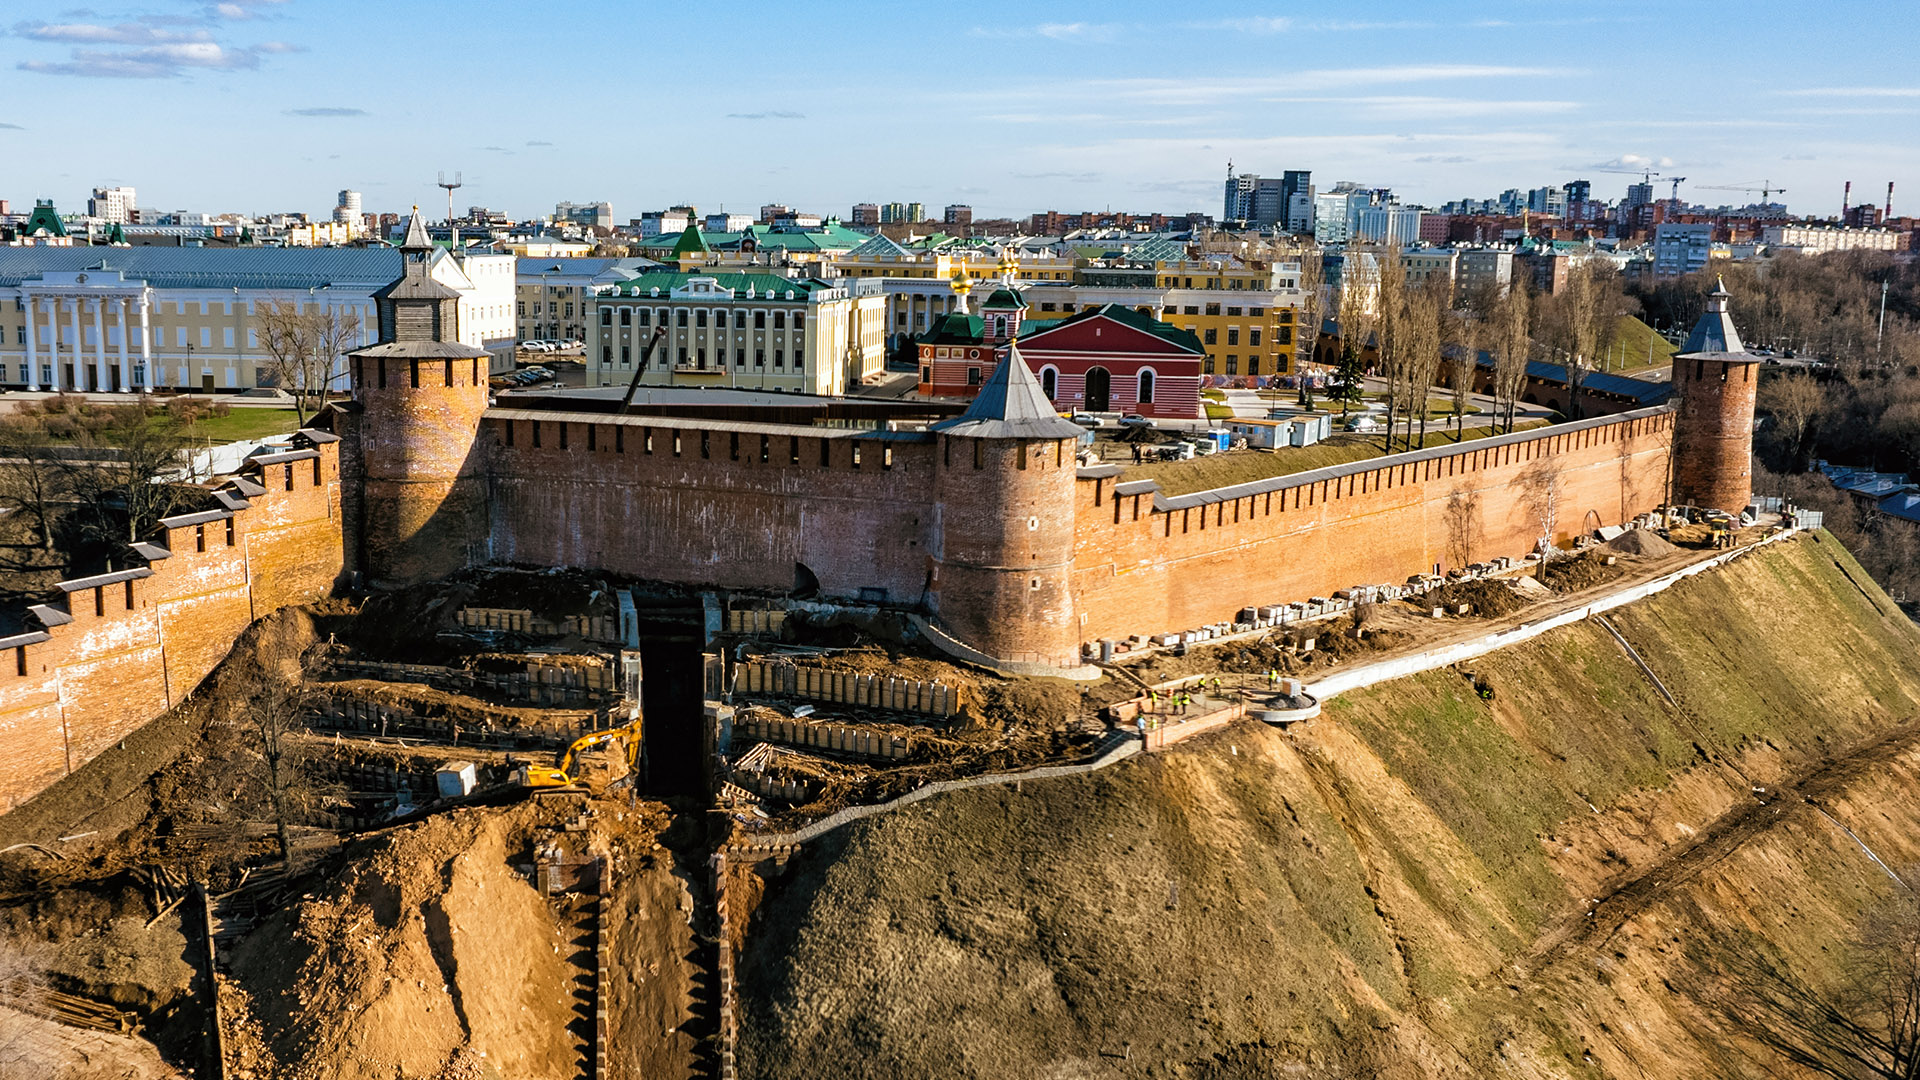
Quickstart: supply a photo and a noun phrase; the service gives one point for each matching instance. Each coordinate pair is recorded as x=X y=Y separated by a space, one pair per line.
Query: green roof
x=690 y=243
x=954 y=329
x=1126 y=316
x=1003 y=297
x=45 y=217
x=761 y=284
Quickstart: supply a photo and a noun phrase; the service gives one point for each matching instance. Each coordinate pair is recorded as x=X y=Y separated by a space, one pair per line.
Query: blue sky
x=264 y=105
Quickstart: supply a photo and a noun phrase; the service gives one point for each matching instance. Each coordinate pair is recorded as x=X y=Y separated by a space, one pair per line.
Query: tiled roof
x=1714 y=335
x=1126 y=316
x=1011 y=405
x=763 y=285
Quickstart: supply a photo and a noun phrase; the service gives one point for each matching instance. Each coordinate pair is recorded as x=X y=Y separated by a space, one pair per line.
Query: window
x=646 y=316
x=1256 y=312
x=1190 y=309
x=766 y=445
x=682 y=361
x=760 y=320
x=733 y=446
x=199 y=538
x=606 y=316
x=1233 y=335
x=606 y=353
x=973 y=376
x=1206 y=366
x=681 y=320
x=759 y=358
x=626 y=355
x=1146 y=387
x=779 y=358
x=1253 y=365
x=739 y=320
x=1253 y=336
x=230 y=536
x=1213 y=309
x=522 y=305
x=739 y=358
x=779 y=320
x=1233 y=364
x=626 y=316
x=1283 y=336
x=1212 y=335
x=926 y=373
x=1233 y=311
x=1049 y=382
x=700 y=319
x=569 y=312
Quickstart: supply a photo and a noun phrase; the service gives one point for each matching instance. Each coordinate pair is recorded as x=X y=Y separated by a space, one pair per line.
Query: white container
x=456 y=779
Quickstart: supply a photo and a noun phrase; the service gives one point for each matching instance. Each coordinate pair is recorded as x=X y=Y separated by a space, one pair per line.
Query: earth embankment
x=1421 y=883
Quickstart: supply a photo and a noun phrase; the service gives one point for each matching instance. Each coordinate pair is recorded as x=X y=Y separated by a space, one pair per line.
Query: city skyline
x=275 y=105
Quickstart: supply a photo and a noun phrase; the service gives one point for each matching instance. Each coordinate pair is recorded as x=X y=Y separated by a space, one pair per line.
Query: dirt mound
x=1489 y=599
x=1642 y=542
x=1583 y=571
x=429 y=944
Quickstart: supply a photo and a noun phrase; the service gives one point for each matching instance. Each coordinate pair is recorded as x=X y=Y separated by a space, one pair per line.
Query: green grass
x=1219 y=412
x=1631 y=340
x=243 y=424
x=1214 y=393
x=1225 y=470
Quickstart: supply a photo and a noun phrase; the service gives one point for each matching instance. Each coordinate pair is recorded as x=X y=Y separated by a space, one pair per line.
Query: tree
x=270 y=701
x=1592 y=305
x=31 y=477
x=303 y=342
x=1794 y=401
x=1420 y=360
x=1307 y=316
x=1466 y=358
x=1390 y=303
x=1512 y=340
x=123 y=476
x=1540 y=493
x=1356 y=309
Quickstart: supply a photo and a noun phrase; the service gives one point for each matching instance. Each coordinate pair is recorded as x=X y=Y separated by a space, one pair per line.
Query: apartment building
x=759 y=330
x=1820 y=239
x=551 y=295
x=160 y=318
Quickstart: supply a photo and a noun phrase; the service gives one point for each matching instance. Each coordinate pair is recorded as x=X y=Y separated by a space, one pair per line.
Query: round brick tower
x=1715 y=379
x=420 y=393
x=1004 y=489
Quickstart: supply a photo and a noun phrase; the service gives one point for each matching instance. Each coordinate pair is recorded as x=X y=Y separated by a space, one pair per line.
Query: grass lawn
x=1219 y=412
x=1631 y=340
x=1244 y=467
x=244 y=423
x=1214 y=393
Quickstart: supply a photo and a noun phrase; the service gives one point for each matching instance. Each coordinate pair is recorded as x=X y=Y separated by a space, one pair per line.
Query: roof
x=1905 y=505
x=211 y=268
x=763 y=285
x=1011 y=405
x=1640 y=391
x=954 y=329
x=416 y=238
x=690 y=242
x=44 y=216
x=1713 y=336
x=1126 y=316
x=880 y=247
x=1003 y=297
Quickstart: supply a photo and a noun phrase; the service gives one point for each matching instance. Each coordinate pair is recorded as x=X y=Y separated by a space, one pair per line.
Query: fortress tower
x=1003 y=557
x=1715 y=379
x=419 y=395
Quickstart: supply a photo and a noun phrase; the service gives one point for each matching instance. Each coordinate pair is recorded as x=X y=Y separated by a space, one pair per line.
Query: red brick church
x=1105 y=359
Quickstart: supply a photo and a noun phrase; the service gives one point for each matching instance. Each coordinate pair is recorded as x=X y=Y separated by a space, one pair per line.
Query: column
x=53 y=341
x=79 y=362
x=33 y=340
x=146 y=351
x=102 y=381
x=126 y=369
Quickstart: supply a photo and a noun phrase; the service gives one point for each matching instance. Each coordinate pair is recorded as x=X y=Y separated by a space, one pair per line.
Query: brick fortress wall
x=122 y=648
x=1145 y=563
x=705 y=502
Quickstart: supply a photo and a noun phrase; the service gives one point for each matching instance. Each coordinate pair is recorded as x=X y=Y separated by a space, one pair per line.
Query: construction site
x=523 y=823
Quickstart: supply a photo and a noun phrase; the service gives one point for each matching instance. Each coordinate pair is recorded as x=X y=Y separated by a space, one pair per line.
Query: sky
x=274 y=105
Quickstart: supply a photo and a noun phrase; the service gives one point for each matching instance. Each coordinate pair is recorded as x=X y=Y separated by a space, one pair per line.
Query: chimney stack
x=1889 y=212
x=1846 y=200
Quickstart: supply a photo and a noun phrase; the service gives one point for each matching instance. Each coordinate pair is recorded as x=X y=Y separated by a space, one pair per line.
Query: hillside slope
x=1418 y=884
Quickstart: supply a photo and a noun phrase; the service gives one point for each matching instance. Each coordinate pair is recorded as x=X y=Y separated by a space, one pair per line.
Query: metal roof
x=211 y=268
x=1714 y=337
x=1011 y=405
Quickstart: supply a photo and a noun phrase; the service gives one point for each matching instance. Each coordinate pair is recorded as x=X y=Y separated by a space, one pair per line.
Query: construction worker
x=1153 y=700
x=1273 y=678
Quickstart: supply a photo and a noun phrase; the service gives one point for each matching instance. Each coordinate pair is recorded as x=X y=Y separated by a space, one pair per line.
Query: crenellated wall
x=1146 y=563
x=116 y=650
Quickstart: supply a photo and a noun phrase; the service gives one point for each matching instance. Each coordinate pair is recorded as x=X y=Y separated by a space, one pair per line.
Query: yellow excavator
x=596 y=762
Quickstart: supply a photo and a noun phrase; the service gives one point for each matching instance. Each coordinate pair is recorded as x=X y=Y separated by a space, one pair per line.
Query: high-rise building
x=347 y=209
x=588 y=214
x=958 y=214
x=865 y=213
x=1638 y=195
x=1296 y=200
x=114 y=204
x=1579 y=194
x=1260 y=201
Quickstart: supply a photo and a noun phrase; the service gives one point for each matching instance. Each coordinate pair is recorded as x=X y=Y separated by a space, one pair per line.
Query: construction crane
x=1765 y=188
x=1675 y=196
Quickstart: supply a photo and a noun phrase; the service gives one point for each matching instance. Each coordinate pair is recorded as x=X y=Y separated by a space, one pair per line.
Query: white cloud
x=327 y=111
x=99 y=34
x=1255 y=24
x=155 y=62
x=1854 y=91
x=1056 y=31
x=1428 y=108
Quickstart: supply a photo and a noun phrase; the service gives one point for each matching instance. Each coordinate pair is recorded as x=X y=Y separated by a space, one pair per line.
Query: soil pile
x=32 y=1046
x=1488 y=599
x=1582 y=571
x=1642 y=542
x=1403 y=888
x=430 y=945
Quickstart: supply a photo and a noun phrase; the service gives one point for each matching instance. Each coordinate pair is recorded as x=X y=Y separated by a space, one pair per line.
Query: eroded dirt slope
x=1419 y=884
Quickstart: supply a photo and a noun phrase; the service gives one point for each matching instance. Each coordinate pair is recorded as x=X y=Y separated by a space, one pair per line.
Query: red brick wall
x=603 y=500
x=1713 y=448
x=118 y=665
x=423 y=480
x=1141 y=571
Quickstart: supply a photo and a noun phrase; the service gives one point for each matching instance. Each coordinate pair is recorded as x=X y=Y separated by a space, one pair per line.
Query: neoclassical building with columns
x=184 y=319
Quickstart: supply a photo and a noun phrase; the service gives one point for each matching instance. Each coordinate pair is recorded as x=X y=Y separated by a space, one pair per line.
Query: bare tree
x=1794 y=402
x=1357 y=306
x=304 y=341
x=123 y=476
x=1540 y=493
x=1307 y=316
x=1421 y=340
x=270 y=701
x=31 y=478
x=1467 y=332
x=1512 y=336
x=1389 y=329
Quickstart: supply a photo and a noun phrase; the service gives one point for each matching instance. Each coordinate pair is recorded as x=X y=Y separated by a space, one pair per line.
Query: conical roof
x=416 y=238
x=1011 y=406
x=691 y=242
x=1713 y=336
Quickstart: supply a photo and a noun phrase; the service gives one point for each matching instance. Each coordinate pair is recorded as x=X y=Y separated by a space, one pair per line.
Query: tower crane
x=1675 y=196
x=1765 y=188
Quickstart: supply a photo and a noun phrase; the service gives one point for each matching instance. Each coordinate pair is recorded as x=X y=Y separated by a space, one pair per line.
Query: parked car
x=1362 y=423
x=1085 y=420
x=1135 y=420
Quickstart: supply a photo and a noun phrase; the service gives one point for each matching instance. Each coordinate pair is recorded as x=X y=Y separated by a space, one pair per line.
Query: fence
x=756 y=622
x=845 y=688
x=541 y=684
x=348 y=712
x=523 y=621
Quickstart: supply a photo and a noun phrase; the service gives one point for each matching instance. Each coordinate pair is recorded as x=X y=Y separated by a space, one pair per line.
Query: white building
x=347 y=210
x=1820 y=239
x=94 y=318
x=1681 y=248
x=114 y=205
